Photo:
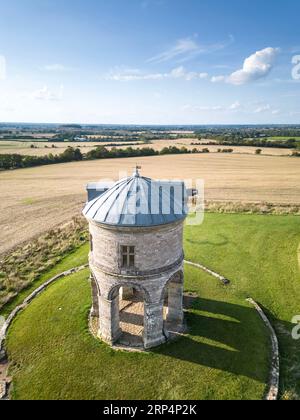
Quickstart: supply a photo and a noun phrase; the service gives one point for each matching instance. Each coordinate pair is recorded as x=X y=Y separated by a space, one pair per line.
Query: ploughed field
x=36 y=199
x=226 y=354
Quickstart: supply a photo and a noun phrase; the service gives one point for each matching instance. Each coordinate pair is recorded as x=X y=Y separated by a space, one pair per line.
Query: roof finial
x=136 y=171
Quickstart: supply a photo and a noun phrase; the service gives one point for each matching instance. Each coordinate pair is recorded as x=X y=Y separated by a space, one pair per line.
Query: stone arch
x=176 y=278
x=173 y=292
x=127 y=314
x=111 y=318
x=96 y=293
x=114 y=291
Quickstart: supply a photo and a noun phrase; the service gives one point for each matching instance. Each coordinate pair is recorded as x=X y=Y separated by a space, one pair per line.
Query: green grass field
x=225 y=355
x=284 y=139
x=259 y=254
x=63 y=361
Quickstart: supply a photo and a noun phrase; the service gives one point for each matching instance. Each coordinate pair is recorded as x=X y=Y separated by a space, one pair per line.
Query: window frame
x=127 y=256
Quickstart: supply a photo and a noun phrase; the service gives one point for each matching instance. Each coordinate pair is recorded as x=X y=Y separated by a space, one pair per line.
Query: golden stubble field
x=37 y=199
x=44 y=148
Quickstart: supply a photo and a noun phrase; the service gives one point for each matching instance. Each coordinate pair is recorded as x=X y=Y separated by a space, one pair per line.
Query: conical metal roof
x=139 y=202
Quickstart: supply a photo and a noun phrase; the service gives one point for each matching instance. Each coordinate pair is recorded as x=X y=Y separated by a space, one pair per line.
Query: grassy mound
x=226 y=354
x=224 y=357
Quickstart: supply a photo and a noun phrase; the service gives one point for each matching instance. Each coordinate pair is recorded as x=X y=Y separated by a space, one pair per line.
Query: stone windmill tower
x=136 y=233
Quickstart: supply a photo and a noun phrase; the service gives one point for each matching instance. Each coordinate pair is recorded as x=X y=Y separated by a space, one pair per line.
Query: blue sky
x=150 y=61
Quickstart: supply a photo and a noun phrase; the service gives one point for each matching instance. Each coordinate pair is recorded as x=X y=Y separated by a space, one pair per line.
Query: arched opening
x=173 y=303
x=128 y=314
x=132 y=316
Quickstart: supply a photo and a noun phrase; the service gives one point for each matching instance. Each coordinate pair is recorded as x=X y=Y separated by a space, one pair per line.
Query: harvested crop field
x=44 y=148
x=37 y=199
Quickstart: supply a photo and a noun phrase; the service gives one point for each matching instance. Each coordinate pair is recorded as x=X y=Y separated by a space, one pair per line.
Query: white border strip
x=207 y=270
x=273 y=392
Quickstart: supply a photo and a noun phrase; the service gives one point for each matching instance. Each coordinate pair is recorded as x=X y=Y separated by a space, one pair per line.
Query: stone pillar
x=175 y=303
x=153 y=325
x=95 y=298
x=126 y=293
x=109 y=321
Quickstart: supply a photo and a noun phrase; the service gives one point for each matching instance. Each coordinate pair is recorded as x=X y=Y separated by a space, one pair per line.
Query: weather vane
x=137 y=168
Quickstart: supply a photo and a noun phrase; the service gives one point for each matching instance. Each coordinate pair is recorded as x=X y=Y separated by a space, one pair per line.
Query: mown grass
x=225 y=355
x=259 y=254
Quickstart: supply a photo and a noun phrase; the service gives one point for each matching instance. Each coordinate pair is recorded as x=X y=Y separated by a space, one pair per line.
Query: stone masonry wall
x=155 y=248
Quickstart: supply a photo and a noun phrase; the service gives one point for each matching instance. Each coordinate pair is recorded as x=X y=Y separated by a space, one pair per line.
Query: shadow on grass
x=221 y=242
x=228 y=337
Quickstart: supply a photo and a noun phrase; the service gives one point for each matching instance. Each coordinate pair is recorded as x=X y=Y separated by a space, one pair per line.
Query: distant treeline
x=248 y=132
x=15 y=161
x=236 y=141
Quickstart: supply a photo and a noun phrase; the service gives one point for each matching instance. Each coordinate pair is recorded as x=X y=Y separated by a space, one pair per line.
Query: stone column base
x=108 y=340
x=154 y=343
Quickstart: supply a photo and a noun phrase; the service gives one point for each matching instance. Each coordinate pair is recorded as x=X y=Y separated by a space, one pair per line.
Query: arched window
x=91 y=243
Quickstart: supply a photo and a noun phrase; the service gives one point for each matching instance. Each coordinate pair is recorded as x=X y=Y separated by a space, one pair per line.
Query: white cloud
x=235 y=106
x=2 y=67
x=203 y=75
x=210 y=108
x=218 y=79
x=45 y=94
x=182 y=48
x=130 y=75
x=188 y=48
x=263 y=108
x=57 y=68
x=255 y=67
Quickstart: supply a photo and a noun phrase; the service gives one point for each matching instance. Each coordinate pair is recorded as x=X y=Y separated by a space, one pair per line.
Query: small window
x=128 y=256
